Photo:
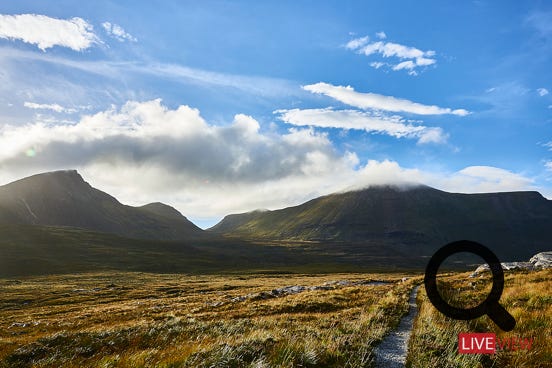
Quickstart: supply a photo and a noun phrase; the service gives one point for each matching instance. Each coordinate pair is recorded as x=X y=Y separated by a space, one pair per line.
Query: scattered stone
x=296 y=289
x=18 y=324
x=289 y=290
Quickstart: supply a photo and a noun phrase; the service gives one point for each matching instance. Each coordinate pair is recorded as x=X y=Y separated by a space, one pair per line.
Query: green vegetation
x=42 y=250
x=411 y=221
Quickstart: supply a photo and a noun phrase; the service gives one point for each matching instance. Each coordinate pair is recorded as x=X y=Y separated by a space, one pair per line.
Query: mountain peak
x=64 y=198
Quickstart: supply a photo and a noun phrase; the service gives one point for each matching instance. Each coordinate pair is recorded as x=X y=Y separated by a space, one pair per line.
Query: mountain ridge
x=64 y=198
x=419 y=216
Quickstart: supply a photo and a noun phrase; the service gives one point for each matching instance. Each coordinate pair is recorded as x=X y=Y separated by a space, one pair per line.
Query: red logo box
x=476 y=343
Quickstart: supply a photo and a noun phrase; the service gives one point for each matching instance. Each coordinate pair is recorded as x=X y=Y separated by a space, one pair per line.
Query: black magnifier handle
x=501 y=317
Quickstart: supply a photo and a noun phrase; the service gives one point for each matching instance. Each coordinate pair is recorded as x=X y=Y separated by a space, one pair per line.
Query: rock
x=289 y=290
x=506 y=266
x=542 y=260
x=538 y=261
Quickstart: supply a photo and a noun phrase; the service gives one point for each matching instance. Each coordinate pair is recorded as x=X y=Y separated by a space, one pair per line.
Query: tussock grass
x=526 y=296
x=145 y=320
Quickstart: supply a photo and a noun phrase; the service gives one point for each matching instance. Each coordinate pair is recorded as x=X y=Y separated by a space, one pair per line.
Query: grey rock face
x=538 y=261
x=542 y=260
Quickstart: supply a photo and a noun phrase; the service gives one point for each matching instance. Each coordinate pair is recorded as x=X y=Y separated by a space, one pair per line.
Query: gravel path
x=391 y=353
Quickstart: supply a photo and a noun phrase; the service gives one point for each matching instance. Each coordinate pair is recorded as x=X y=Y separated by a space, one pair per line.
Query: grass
x=132 y=319
x=144 y=320
x=526 y=296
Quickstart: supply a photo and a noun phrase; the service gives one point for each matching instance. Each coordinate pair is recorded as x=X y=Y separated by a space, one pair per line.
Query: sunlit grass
x=143 y=320
x=526 y=296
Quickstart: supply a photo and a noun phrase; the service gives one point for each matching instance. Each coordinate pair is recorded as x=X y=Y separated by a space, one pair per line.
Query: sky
x=219 y=107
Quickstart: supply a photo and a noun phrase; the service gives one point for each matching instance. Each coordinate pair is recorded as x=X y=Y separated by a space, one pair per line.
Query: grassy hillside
x=41 y=250
x=515 y=225
x=63 y=198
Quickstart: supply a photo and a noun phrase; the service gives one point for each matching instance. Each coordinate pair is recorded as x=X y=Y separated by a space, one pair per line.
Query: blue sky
x=218 y=107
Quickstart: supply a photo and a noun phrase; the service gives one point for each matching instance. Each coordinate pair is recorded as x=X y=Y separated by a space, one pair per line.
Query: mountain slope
x=514 y=224
x=63 y=198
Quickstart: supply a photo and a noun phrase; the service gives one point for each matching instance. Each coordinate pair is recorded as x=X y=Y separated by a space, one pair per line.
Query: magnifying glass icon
x=490 y=305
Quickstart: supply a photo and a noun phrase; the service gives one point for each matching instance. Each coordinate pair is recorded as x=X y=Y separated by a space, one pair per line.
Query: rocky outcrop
x=542 y=260
x=296 y=289
x=537 y=262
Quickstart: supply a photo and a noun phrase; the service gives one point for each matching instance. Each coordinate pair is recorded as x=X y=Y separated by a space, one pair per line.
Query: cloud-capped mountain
x=514 y=224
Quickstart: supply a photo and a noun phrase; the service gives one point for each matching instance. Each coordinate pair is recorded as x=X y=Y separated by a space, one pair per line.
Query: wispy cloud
x=542 y=91
x=541 y=22
x=46 y=32
x=52 y=107
x=117 y=32
x=393 y=126
x=262 y=86
x=375 y=101
x=409 y=58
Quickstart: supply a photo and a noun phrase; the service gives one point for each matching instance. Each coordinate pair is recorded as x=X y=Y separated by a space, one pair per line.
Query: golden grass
x=144 y=320
x=527 y=296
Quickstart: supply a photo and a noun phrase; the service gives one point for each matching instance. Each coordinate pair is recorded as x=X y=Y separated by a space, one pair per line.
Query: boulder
x=542 y=260
x=538 y=261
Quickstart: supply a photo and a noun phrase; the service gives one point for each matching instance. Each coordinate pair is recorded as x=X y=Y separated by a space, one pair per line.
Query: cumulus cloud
x=406 y=57
x=393 y=126
x=52 y=107
x=375 y=101
x=144 y=152
x=542 y=91
x=176 y=151
x=46 y=32
x=117 y=32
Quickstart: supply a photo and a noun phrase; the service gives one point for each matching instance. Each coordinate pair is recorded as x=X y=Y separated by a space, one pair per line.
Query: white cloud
x=177 y=154
x=375 y=101
x=409 y=64
x=46 y=32
x=53 y=107
x=542 y=91
x=472 y=179
x=548 y=165
x=208 y=171
x=352 y=119
x=376 y=64
x=409 y=58
x=117 y=32
x=357 y=42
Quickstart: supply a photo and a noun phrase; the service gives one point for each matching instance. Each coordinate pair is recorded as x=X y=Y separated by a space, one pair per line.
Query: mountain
x=63 y=198
x=414 y=220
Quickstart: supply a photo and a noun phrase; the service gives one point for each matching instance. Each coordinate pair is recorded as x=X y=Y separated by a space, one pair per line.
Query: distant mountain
x=63 y=198
x=416 y=220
